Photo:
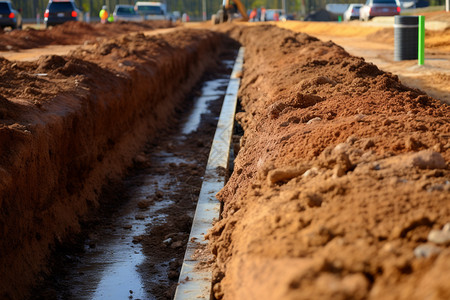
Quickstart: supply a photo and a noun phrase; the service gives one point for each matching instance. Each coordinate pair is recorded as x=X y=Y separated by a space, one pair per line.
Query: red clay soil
x=342 y=174
x=72 y=33
x=69 y=125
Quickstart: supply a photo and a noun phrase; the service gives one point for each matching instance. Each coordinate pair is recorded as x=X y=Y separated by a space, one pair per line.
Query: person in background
x=276 y=16
x=103 y=14
x=253 y=15
x=263 y=14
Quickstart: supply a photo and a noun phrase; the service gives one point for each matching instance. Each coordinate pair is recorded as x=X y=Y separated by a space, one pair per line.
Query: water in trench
x=136 y=253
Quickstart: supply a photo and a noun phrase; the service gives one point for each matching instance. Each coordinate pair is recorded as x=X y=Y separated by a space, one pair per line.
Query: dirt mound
x=68 y=125
x=342 y=174
x=73 y=33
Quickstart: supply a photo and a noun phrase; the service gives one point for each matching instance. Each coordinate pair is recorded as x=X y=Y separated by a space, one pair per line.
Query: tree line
x=194 y=8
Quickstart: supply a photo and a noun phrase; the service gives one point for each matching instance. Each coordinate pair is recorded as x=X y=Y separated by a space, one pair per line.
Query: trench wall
x=341 y=174
x=88 y=117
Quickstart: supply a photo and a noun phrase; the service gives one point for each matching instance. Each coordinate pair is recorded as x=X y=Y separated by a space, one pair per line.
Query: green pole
x=421 y=54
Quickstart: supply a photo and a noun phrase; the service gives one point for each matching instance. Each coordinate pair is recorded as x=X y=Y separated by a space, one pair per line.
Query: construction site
x=224 y=159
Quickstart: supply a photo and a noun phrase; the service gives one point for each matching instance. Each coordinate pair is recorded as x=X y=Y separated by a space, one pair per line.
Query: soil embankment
x=71 y=124
x=72 y=33
x=341 y=176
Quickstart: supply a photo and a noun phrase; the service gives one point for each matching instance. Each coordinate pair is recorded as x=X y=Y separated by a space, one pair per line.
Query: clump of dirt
x=73 y=33
x=341 y=175
x=69 y=125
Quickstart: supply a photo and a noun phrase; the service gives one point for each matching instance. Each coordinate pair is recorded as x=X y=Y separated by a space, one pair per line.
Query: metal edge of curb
x=195 y=281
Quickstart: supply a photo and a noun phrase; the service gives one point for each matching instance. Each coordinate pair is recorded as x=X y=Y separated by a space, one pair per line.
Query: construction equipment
x=227 y=11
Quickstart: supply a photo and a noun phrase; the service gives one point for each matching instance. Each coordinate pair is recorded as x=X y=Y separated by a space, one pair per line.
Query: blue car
x=9 y=17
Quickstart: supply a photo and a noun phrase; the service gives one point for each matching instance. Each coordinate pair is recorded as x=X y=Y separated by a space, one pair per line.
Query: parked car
x=126 y=13
x=9 y=17
x=151 y=10
x=59 y=12
x=377 y=8
x=352 y=12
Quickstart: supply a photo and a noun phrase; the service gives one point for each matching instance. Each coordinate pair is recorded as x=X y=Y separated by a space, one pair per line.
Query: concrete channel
x=116 y=261
x=195 y=278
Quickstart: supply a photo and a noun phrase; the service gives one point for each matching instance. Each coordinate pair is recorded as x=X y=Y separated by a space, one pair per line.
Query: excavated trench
x=71 y=126
x=340 y=188
x=134 y=250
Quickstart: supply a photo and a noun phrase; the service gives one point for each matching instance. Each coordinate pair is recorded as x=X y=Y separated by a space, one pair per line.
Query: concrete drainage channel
x=133 y=255
x=195 y=278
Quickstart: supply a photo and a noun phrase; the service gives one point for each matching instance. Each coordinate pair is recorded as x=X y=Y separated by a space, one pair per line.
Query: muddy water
x=136 y=252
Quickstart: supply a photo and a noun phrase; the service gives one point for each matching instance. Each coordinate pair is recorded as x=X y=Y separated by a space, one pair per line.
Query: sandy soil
x=340 y=188
x=376 y=45
x=341 y=176
x=71 y=124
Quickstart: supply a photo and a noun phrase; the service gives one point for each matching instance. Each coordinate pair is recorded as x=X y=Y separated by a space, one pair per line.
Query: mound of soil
x=72 y=33
x=69 y=125
x=341 y=177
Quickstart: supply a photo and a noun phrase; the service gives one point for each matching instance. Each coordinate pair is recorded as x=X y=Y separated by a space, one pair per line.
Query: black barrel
x=406 y=34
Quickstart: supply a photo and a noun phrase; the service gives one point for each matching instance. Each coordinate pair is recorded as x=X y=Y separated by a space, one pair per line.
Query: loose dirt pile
x=72 y=33
x=69 y=125
x=341 y=176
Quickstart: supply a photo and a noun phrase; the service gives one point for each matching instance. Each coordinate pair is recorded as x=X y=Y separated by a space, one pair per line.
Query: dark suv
x=9 y=17
x=59 y=12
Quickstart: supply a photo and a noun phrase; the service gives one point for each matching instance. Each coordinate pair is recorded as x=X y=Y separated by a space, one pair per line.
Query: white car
x=126 y=13
x=151 y=10
x=352 y=12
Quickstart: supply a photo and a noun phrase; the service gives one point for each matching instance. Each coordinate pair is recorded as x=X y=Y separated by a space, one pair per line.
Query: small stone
x=439 y=237
x=428 y=159
x=127 y=226
x=176 y=245
x=360 y=117
x=284 y=124
x=167 y=241
x=426 y=250
x=446 y=227
x=139 y=217
x=438 y=147
x=283 y=175
x=144 y=204
x=314 y=120
x=137 y=239
x=311 y=173
x=351 y=139
x=341 y=148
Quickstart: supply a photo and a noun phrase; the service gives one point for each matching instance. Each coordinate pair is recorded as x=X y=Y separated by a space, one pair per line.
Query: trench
x=133 y=248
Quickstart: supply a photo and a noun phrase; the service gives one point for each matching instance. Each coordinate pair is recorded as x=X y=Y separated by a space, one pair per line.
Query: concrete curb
x=195 y=280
